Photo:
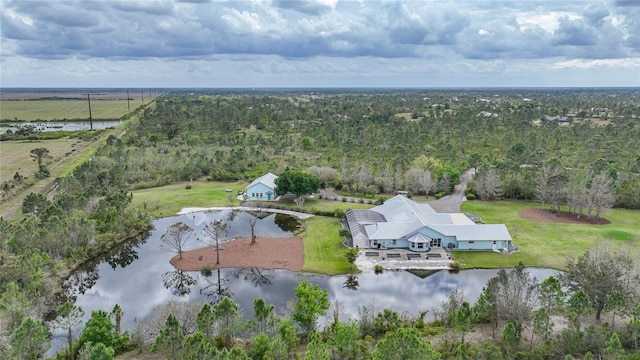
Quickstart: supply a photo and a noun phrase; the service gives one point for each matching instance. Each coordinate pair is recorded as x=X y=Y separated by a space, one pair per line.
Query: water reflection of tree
x=215 y=289
x=256 y=276
x=86 y=276
x=286 y=222
x=127 y=252
x=178 y=281
x=351 y=282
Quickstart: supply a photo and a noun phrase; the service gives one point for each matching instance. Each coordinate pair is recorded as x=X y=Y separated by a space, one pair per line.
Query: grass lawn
x=323 y=249
x=64 y=109
x=170 y=199
x=545 y=244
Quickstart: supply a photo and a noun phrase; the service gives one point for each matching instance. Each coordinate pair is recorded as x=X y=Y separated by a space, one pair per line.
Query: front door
x=269 y=196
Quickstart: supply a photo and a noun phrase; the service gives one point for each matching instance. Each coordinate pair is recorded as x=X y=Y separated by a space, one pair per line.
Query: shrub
x=454 y=265
x=339 y=213
x=206 y=270
x=378 y=269
x=188 y=187
x=439 y=195
x=471 y=196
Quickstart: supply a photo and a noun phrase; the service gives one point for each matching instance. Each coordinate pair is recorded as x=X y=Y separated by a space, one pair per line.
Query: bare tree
x=426 y=181
x=412 y=178
x=487 y=184
x=176 y=237
x=543 y=188
x=419 y=180
x=385 y=179
x=600 y=194
x=515 y=296
x=252 y=217
x=186 y=313
x=328 y=176
x=215 y=230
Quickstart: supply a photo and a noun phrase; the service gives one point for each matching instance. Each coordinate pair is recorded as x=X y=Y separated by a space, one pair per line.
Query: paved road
x=451 y=203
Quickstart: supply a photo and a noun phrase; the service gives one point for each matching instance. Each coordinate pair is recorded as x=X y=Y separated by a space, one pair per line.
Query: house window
x=393 y=241
x=471 y=242
x=260 y=195
x=375 y=242
x=494 y=242
x=420 y=245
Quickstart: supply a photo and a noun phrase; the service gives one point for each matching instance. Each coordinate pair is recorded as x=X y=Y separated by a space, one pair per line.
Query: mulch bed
x=267 y=253
x=546 y=215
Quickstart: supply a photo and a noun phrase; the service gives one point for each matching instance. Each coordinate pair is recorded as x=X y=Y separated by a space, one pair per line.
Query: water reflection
x=351 y=282
x=133 y=278
x=47 y=126
x=178 y=282
x=215 y=291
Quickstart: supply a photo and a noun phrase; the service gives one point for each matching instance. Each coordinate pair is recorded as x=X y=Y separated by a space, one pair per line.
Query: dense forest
x=374 y=142
x=575 y=147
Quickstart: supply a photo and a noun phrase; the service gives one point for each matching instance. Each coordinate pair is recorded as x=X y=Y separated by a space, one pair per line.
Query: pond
x=46 y=126
x=138 y=276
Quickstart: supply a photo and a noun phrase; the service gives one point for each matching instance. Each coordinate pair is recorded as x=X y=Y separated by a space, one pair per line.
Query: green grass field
x=323 y=249
x=64 y=109
x=545 y=244
x=168 y=200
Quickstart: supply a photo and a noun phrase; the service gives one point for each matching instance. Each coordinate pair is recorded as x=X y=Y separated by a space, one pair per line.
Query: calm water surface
x=46 y=126
x=138 y=277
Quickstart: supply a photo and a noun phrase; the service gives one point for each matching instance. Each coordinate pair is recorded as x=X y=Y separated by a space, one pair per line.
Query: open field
x=168 y=200
x=33 y=110
x=15 y=155
x=544 y=244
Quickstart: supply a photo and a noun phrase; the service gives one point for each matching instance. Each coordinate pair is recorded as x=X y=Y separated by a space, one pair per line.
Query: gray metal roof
x=474 y=232
x=400 y=217
x=267 y=179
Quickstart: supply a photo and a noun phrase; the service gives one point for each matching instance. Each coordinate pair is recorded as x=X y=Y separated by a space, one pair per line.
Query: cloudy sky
x=319 y=43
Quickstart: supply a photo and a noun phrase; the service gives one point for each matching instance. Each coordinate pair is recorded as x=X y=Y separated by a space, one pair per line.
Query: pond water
x=46 y=126
x=138 y=276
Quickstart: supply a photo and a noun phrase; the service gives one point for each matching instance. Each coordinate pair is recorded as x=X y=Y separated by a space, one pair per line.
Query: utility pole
x=90 y=118
x=128 y=104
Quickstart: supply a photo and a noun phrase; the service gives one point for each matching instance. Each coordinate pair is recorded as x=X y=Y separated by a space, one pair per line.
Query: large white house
x=262 y=188
x=402 y=223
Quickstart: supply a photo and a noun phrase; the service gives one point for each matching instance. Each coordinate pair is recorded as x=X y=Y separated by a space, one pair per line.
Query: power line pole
x=128 y=104
x=90 y=118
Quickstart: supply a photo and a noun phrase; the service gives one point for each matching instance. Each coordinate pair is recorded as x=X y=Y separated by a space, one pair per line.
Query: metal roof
x=267 y=179
x=400 y=217
x=474 y=232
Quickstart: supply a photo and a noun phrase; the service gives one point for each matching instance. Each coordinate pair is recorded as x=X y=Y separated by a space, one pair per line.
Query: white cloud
x=600 y=63
x=248 y=43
